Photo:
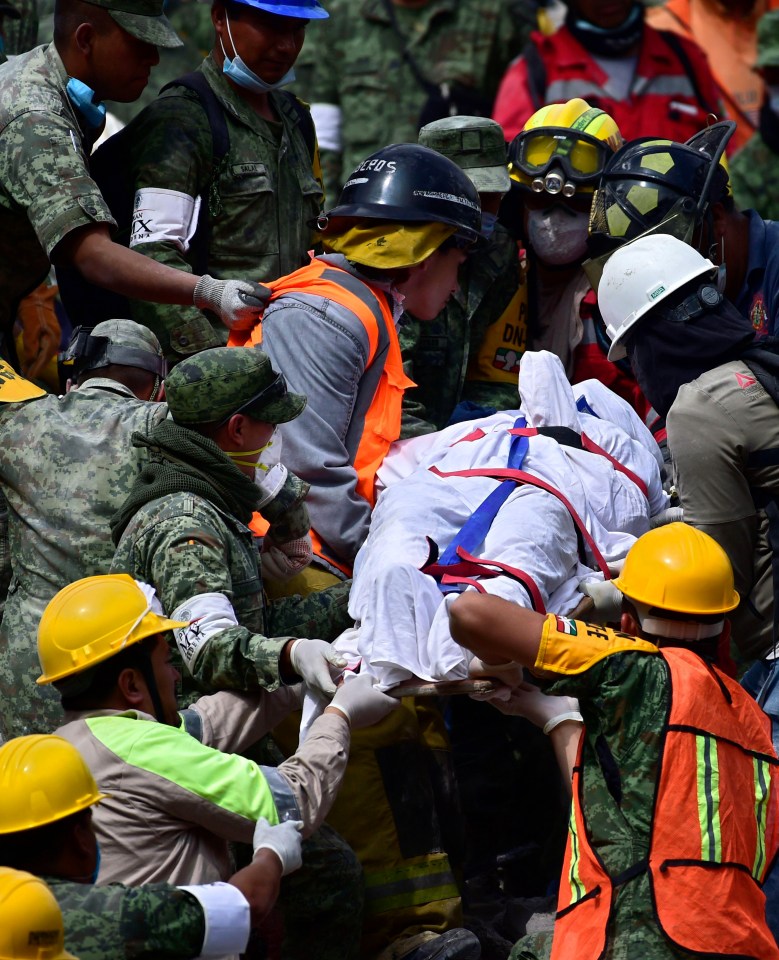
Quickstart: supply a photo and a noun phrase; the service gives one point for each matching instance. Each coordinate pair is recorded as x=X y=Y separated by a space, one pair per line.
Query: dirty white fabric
x=403 y=628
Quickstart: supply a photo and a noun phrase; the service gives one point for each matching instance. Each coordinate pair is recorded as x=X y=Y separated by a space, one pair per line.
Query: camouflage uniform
x=66 y=464
x=45 y=187
x=260 y=200
x=115 y=922
x=624 y=700
x=21 y=34
x=752 y=170
x=442 y=356
x=354 y=61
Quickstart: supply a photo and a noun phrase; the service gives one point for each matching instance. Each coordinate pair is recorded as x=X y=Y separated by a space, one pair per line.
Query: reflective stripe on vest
x=715 y=828
x=410 y=885
x=384 y=366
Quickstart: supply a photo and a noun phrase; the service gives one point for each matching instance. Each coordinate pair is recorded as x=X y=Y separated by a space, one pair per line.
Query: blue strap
x=583 y=407
x=474 y=531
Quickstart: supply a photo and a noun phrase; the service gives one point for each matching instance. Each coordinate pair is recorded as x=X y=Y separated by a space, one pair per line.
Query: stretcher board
x=441 y=688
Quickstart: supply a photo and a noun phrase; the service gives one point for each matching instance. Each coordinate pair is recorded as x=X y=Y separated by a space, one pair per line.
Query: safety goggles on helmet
x=275 y=390
x=557 y=160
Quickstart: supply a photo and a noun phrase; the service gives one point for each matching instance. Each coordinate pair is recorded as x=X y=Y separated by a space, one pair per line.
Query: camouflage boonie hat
x=476 y=144
x=768 y=40
x=113 y=341
x=143 y=19
x=211 y=386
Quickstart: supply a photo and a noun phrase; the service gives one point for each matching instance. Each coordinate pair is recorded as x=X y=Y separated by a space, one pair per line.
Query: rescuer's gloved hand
x=284 y=839
x=283 y=561
x=669 y=515
x=528 y=701
x=606 y=597
x=361 y=702
x=237 y=303
x=311 y=660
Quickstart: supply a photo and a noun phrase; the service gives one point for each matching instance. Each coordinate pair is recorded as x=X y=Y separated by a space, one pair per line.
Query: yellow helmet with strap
x=680 y=569
x=91 y=620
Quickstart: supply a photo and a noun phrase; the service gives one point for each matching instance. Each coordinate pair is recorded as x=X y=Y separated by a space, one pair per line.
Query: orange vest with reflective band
x=382 y=420
x=715 y=829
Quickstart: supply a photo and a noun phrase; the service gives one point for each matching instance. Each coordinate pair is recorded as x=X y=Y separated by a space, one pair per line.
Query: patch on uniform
x=506 y=360
x=745 y=381
x=758 y=315
x=564 y=625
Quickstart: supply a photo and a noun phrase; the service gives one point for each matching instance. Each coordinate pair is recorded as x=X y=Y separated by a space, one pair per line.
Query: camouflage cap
x=768 y=40
x=211 y=386
x=124 y=342
x=476 y=144
x=143 y=19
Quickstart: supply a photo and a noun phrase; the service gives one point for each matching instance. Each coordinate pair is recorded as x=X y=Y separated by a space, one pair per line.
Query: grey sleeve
x=323 y=355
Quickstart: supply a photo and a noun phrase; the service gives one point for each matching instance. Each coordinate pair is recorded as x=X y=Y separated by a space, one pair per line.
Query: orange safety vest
x=382 y=420
x=715 y=829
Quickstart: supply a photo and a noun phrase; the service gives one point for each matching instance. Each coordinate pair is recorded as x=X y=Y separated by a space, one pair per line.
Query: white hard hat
x=638 y=276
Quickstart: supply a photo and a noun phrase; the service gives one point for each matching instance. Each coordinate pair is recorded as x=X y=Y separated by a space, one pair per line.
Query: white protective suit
x=402 y=624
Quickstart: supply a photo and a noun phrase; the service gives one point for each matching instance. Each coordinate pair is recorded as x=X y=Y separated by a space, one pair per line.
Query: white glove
x=605 y=596
x=283 y=561
x=669 y=515
x=511 y=674
x=311 y=659
x=237 y=303
x=542 y=710
x=362 y=702
x=285 y=840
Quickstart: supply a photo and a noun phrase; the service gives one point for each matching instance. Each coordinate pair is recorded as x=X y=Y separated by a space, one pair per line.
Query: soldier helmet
x=43 y=779
x=476 y=144
x=123 y=342
x=30 y=919
x=408 y=183
x=211 y=386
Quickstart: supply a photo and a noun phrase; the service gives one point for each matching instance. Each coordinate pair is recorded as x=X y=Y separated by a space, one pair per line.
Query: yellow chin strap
x=237 y=456
x=388 y=246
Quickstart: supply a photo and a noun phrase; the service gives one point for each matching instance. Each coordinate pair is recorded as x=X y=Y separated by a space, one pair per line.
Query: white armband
x=227 y=917
x=327 y=119
x=207 y=614
x=164 y=216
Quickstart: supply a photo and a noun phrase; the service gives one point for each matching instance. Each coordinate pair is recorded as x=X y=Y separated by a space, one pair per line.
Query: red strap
x=521 y=477
x=593 y=447
x=524 y=578
x=476 y=434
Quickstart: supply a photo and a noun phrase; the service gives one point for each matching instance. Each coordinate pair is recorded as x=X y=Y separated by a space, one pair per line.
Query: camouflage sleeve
x=171 y=150
x=44 y=172
x=182 y=557
x=414 y=417
x=116 y=922
x=287 y=513
x=5 y=554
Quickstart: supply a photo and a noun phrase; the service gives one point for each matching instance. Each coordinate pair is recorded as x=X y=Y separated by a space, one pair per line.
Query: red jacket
x=663 y=100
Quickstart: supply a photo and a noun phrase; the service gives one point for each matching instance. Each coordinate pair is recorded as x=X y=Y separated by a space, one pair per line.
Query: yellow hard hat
x=90 y=621
x=30 y=919
x=563 y=148
x=679 y=568
x=14 y=387
x=43 y=778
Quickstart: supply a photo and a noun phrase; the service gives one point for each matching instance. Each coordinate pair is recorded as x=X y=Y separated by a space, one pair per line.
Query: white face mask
x=270 y=454
x=772 y=96
x=558 y=235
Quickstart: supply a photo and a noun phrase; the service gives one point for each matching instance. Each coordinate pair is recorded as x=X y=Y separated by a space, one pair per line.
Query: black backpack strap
x=220 y=144
x=673 y=41
x=305 y=120
x=536 y=75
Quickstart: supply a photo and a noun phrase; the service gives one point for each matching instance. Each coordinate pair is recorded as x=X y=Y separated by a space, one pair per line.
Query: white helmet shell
x=638 y=276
